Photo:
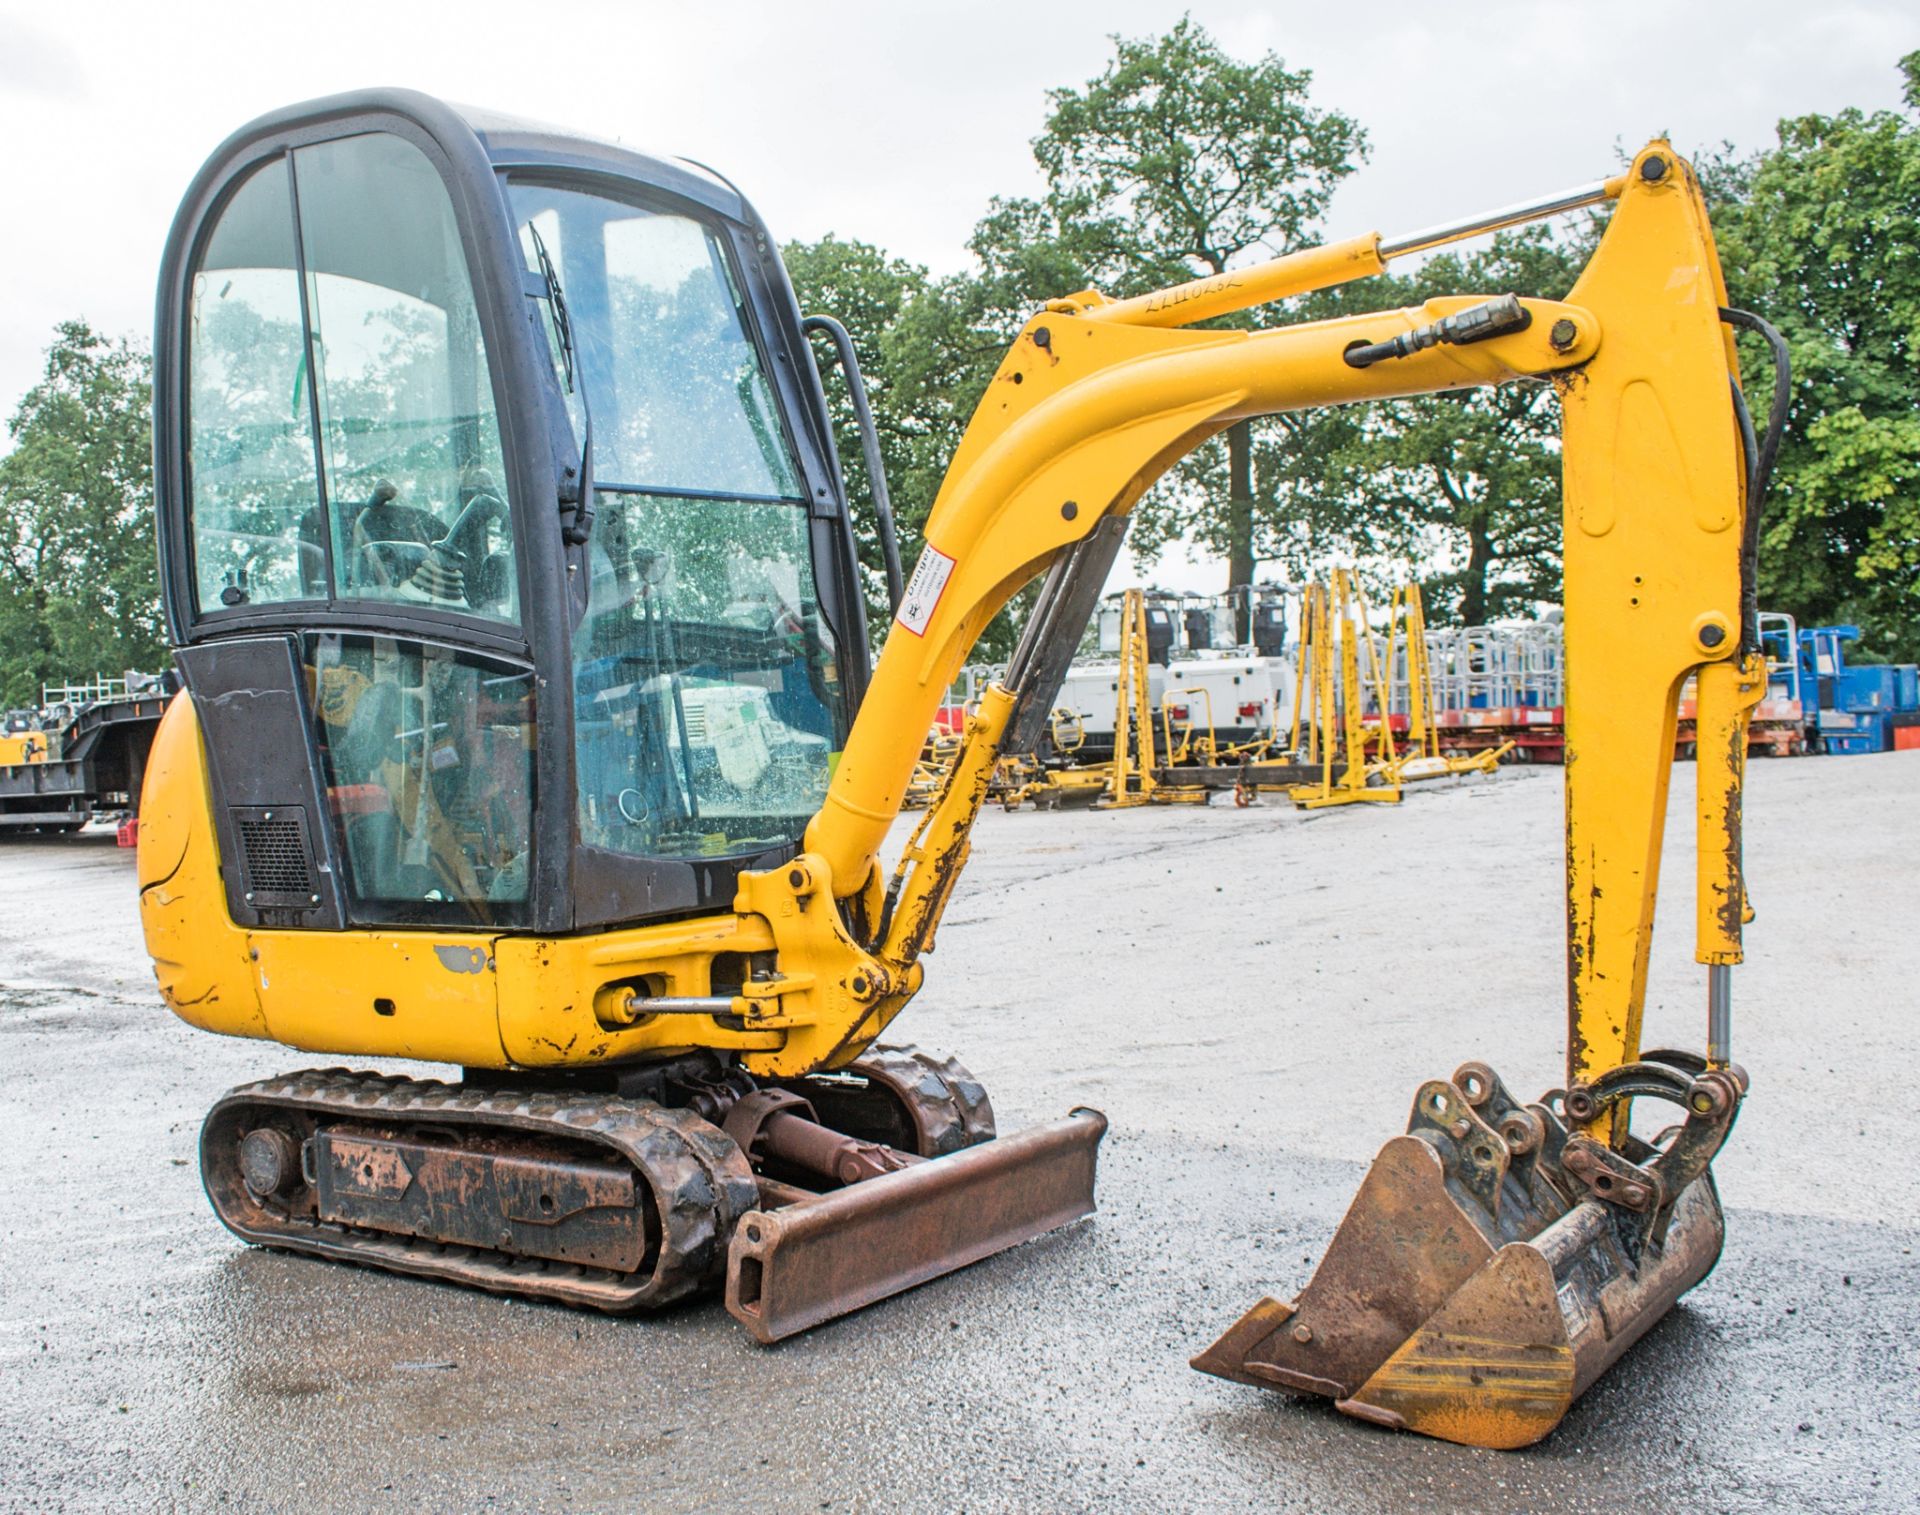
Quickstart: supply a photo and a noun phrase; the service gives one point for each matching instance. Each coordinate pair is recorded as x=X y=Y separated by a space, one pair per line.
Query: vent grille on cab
x=275 y=855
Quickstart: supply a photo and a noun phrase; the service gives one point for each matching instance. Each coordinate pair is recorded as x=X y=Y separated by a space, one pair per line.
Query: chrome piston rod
x=1719 y=1014
x=1431 y=237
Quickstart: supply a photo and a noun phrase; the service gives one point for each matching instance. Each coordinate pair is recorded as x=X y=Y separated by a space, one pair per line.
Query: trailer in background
x=82 y=754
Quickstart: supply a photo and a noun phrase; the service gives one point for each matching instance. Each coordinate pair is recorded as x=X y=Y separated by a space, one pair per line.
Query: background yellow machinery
x=1423 y=758
x=1337 y=733
x=1132 y=775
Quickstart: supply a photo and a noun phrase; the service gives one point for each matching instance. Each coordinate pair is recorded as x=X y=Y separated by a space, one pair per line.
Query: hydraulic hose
x=1750 y=536
x=1760 y=464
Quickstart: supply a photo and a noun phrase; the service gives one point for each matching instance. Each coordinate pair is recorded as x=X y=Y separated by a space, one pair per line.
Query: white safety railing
x=101 y=687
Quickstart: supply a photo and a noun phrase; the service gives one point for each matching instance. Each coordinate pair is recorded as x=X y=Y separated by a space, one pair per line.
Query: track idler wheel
x=905 y=1098
x=1494 y=1262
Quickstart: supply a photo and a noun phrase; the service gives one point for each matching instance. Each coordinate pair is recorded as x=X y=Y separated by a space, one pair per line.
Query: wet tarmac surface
x=1251 y=996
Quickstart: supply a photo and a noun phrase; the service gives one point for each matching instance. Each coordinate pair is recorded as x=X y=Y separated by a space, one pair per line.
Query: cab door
x=346 y=573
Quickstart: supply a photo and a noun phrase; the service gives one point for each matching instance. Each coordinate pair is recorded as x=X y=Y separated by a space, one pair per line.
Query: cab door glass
x=410 y=432
x=706 y=419
x=709 y=710
x=258 y=536
x=708 y=707
x=429 y=772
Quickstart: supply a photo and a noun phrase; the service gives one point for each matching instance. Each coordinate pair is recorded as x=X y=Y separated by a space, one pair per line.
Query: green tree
x=1826 y=245
x=78 y=581
x=1461 y=490
x=1179 y=160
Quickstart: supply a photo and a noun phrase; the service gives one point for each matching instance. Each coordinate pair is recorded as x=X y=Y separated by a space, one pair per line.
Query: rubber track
x=699 y=1179
x=948 y=1104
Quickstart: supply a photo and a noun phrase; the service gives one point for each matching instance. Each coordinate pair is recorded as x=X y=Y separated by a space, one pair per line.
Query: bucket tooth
x=1234 y=1355
x=1402 y=1250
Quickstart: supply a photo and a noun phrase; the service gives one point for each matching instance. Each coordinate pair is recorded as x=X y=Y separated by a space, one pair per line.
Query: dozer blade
x=1479 y=1284
x=792 y=1268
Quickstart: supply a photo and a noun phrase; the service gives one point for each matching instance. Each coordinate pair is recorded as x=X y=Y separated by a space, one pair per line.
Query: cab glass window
x=381 y=352
x=679 y=396
x=428 y=757
x=410 y=433
x=708 y=708
x=256 y=501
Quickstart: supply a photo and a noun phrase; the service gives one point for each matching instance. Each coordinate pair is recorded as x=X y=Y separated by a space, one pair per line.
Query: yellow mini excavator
x=533 y=731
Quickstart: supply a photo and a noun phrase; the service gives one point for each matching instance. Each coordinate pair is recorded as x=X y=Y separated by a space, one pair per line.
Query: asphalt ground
x=1251 y=995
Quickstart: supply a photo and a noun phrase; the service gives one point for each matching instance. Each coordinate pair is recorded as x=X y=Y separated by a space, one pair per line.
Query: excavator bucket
x=1495 y=1262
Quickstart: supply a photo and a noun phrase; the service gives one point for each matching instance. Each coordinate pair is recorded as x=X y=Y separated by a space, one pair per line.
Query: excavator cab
x=505 y=546
x=508 y=563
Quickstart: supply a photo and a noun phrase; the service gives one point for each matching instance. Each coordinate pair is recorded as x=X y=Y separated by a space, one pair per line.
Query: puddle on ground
x=47 y=1007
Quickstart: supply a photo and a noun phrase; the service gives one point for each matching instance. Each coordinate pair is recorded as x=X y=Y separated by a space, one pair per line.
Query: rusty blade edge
x=791 y=1269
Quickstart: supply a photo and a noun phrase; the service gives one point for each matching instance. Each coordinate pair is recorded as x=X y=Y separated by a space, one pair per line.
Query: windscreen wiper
x=580 y=528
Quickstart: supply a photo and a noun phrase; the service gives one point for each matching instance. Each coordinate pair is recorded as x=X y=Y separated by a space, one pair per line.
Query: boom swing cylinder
x=670 y=1050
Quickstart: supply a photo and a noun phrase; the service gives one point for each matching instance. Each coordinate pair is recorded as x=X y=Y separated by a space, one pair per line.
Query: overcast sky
x=890 y=122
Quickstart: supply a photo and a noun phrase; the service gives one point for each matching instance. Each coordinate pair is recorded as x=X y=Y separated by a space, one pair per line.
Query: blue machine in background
x=1854 y=705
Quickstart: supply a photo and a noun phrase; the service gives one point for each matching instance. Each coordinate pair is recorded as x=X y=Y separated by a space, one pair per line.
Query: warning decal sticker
x=924 y=589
